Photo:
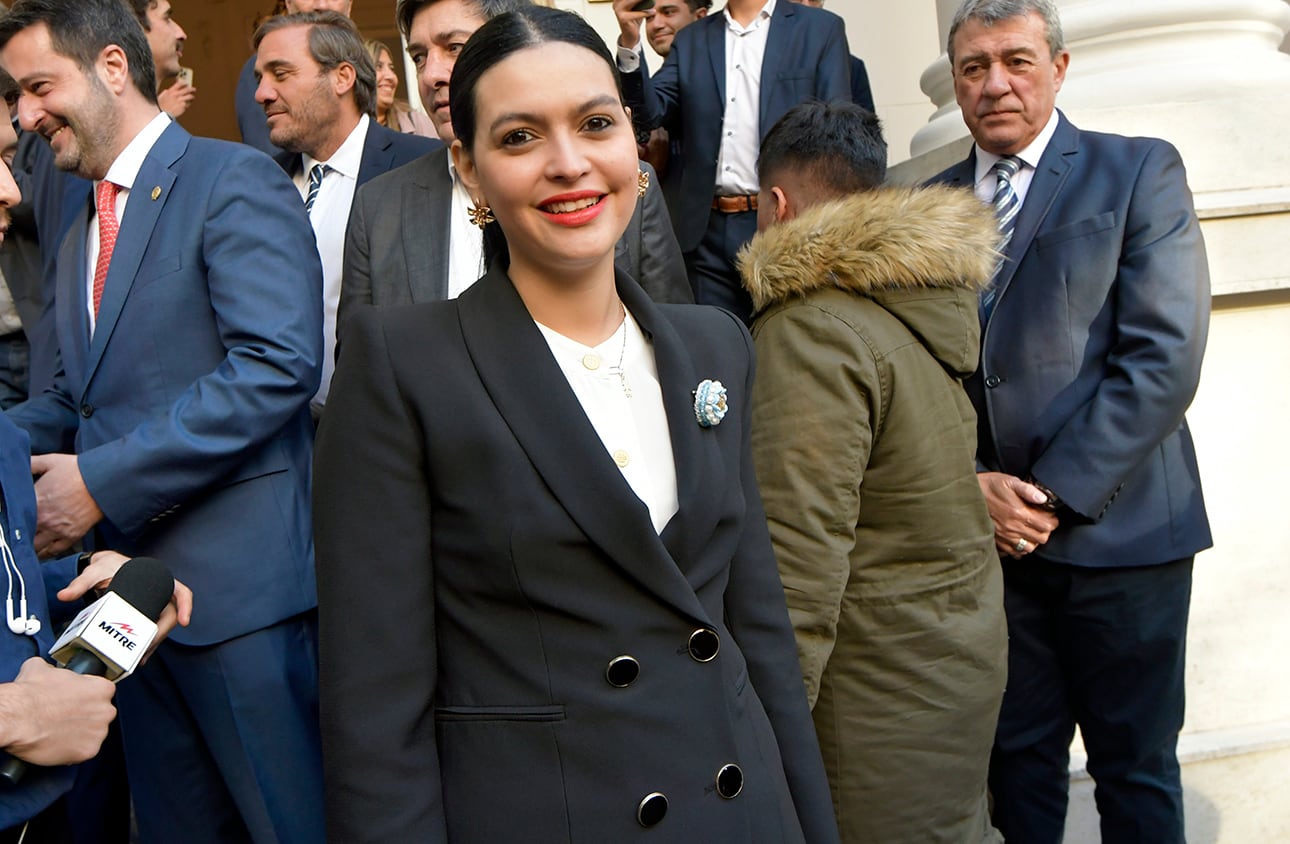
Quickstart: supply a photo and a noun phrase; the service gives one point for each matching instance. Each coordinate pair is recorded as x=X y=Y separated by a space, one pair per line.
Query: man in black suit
x=726 y=80
x=410 y=238
x=1094 y=330
x=318 y=89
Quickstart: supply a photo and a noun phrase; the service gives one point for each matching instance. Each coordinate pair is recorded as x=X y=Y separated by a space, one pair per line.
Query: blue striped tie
x=1006 y=205
x=316 y=174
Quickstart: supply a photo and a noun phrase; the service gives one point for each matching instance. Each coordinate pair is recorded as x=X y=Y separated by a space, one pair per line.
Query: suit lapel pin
x=710 y=403
x=156 y=192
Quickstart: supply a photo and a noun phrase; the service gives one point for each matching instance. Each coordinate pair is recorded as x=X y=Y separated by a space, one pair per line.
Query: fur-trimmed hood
x=891 y=245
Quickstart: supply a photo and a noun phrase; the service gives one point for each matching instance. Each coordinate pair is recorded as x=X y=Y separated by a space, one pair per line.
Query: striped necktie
x=1006 y=205
x=316 y=174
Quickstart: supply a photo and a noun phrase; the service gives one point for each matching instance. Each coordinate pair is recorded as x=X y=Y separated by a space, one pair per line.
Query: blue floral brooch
x=710 y=403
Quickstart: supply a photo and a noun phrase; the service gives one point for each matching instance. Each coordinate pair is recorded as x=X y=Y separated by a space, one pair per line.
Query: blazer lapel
x=148 y=196
x=694 y=451
x=427 y=228
x=1054 y=166
x=716 y=35
x=530 y=392
x=377 y=156
x=782 y=23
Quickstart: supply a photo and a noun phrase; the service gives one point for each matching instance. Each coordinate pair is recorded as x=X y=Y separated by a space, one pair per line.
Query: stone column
x=1129 y=54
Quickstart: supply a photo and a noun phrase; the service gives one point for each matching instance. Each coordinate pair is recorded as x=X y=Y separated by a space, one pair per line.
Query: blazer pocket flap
x=1079 y=228
x=554 y=712
x=154 y=268
x=807 y=72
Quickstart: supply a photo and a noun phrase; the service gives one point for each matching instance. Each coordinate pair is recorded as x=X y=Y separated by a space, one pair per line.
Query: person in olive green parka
x=863 y=442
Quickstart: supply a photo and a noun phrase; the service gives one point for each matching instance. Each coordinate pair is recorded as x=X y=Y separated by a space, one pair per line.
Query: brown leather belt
x=734 y=204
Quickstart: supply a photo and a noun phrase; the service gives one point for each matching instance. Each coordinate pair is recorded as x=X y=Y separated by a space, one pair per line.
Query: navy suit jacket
x=383 y=150
x=861 y=93
x=251 y=122
x=40 y=786
x=1093 y=350
x=806 y=57
x=50 y=200
x=188 y=407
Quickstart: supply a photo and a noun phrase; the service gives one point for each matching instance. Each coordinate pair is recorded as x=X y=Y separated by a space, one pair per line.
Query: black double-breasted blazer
x=482 y=563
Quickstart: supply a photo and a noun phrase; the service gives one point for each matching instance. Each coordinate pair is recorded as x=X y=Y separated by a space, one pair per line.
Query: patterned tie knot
x=1007 y=167
x=105 y=196
x=316 y=174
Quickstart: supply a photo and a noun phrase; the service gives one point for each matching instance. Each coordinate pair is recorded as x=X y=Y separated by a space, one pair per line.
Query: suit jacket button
x=622 y=671
x=704 y=644
x=730 y=781
x=992 y=381
x=87 y=410
x=651 y=809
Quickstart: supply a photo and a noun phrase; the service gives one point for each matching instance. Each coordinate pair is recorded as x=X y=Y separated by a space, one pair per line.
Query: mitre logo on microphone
x=111 y=629
x=123 y=633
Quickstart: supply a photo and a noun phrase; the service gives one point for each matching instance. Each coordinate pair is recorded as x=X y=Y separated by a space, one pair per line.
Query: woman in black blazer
x=549 y=607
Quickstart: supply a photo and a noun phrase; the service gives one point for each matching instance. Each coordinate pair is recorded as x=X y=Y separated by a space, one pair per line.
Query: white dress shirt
x=986 y=181
x=633 y=429
x=330 y=218
x=741 y=125
x=122 y=173
x=741 y=118
x=465 y=240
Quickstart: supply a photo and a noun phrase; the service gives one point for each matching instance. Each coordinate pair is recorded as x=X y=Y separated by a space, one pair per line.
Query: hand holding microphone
x=109 y=638
x=98 y=576
x=54 y=717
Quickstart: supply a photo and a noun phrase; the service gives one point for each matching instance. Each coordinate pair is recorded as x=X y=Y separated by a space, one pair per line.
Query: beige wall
x=897 y=42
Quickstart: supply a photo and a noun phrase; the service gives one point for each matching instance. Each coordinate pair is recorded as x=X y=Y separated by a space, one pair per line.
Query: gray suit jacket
x=396 y=249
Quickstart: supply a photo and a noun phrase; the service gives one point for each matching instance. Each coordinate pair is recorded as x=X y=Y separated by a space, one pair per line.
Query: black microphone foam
x=145 y=584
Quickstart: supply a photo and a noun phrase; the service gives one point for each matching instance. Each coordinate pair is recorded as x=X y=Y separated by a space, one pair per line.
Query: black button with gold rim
x=622 y=671
x=704 y=644
x=651 y=810
x=730 y=781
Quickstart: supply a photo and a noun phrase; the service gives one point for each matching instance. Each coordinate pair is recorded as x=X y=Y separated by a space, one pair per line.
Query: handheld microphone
x=110 y=636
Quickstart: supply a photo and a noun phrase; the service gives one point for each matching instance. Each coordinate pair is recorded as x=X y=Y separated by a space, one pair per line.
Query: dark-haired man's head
x=669 y=18
x=165 y=36
x=501 y=37
x=436 y=30
x=316 y=80
x=85 y=73
x=818 y=152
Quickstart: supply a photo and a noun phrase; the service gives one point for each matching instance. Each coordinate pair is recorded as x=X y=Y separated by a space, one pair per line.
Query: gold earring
x=481 y=215
x=642 y=182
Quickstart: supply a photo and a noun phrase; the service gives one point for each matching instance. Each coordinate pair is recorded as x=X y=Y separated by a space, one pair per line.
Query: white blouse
x=625 y=406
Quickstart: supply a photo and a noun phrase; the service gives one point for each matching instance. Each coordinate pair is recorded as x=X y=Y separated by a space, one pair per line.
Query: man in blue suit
x=727 y=79
x=318 y=89
x=189 y=319
x=1094 y=329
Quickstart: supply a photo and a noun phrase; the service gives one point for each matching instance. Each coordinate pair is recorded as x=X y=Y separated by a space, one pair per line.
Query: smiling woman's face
x=554 y=156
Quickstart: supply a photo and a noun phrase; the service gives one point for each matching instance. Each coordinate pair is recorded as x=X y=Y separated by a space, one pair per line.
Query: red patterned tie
x=108 y=227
